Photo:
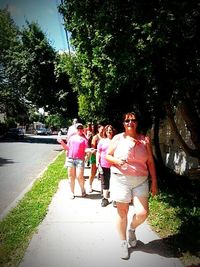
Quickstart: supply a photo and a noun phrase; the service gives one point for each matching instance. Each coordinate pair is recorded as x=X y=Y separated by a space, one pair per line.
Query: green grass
x=20 y=224
x=174 y=215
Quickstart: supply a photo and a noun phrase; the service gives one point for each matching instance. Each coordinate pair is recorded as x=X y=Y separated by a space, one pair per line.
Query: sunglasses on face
x=80 y=128
x=130 y=120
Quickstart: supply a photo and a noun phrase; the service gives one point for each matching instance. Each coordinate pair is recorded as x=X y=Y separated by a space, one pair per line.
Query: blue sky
x=45 y=13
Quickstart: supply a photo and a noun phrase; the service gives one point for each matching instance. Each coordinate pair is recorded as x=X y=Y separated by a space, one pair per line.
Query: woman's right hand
x=121 y=162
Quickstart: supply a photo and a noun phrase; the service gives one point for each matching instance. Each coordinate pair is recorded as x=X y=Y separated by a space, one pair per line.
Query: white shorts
x=124 y=188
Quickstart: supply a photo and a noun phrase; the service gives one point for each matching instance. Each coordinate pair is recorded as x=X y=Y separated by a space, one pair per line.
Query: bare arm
x=97 y=158
x=63 y=144
x=110 y=153
x=94 y=142
x=152 y=169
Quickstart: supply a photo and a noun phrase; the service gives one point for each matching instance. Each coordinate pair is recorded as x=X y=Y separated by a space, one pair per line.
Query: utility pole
x=66 y=32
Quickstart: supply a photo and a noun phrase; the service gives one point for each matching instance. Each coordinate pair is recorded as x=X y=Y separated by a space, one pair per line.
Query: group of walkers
x=126 y=166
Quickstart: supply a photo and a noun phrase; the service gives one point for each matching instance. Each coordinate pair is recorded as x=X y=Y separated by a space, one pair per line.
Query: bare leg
x=71 y=177
x=141 y=211
x=92 y=174
x=122 y=210
x=80 y=177
x=105 y=193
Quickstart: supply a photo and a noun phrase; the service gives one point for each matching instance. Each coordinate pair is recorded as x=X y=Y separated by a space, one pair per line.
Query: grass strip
x=176 y=219
x=18 y=227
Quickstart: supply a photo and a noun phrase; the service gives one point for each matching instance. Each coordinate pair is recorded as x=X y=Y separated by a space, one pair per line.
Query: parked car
x=63 y=131
x=41 y=131
x=49 y=131
x=15 y=133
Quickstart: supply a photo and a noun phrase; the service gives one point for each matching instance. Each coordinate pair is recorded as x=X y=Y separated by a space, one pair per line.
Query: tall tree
x=10 y=101
x=137 y=53
x=67 y=102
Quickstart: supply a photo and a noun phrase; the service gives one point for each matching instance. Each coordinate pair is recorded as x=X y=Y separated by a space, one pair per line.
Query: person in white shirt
x=72 y=129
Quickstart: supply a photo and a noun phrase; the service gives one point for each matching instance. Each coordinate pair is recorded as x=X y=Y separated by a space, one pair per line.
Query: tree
x=67 y=102
x=137 y=54
x=11 y=104
x=36 y=63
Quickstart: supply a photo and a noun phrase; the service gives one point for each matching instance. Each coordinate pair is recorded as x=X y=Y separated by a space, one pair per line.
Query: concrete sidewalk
x=81 y=233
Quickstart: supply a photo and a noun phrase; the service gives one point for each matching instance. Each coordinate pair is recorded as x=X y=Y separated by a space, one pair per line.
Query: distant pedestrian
x=88 y=131
x=95 y=139
x=75 y=158
x=101 y=161
x=72 y=129
x=130 y=154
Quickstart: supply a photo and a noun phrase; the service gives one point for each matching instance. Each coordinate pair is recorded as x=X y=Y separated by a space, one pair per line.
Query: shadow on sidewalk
x=154 y=247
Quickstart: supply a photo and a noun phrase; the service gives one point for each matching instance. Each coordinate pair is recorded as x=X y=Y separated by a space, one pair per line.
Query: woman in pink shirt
x=102 y=148
x=75 y=151
x=130 y=154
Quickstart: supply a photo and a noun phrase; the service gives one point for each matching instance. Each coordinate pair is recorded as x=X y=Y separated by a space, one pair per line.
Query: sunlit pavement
x=81 y=233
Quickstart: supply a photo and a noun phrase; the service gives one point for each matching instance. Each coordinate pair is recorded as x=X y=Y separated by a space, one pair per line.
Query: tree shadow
x=182 y=193
x=4 y=161
x=31 y=139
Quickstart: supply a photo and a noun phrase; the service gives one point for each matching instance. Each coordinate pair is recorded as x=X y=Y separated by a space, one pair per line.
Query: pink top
x=76 y=147
x=135 y=154
x=102 y=148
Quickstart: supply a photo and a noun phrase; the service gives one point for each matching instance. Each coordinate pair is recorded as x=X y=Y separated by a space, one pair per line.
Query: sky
x=45 y=13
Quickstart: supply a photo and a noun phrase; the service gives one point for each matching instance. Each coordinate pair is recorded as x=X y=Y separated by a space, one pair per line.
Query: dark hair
x=106 y=128
x=137 y=116
x=99 y=126
x=130 y=114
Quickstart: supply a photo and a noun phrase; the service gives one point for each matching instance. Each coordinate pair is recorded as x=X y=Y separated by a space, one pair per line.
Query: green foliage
x=37 y=67
x=21 y=223
x=8 y=32
x=56 y=121
x=65 y=81
x=28 y=64
x=137 y=53
x=8 y=40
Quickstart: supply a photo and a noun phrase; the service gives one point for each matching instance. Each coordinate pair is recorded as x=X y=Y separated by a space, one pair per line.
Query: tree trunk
x=192 y=121
x=158 y=153
x=191 y=152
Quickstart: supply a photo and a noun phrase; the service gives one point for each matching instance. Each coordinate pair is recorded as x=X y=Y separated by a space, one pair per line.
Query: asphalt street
x=21 y=162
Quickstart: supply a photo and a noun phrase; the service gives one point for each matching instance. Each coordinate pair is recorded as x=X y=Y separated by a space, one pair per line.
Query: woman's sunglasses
x=130 y=120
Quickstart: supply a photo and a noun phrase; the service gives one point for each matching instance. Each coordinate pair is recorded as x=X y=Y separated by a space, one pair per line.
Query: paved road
x=20 y=165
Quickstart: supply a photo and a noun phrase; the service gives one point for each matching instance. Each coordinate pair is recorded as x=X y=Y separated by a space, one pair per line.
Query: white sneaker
x=71 y=196
x=124 y=250
x=90 y=190
x=132 y=238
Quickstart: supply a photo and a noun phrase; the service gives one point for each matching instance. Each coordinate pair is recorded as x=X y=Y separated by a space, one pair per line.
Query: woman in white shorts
x=130 y=154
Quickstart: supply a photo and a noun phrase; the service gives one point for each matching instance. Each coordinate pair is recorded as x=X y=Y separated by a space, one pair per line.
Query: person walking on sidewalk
x=95 y=139
x=130 y=154
x=102 y=148
x=75 y=160
x=89 y=133
x=72 y=129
